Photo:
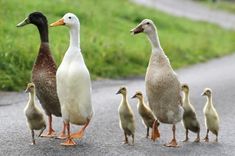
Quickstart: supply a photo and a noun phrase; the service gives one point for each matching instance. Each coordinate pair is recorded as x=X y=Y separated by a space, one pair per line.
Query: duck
x=74 y=82
x=211 y=116
x=34 y=116
x=126 y=116
x=44 y=73
x=190 y=120
x=147 y=116
x=163 y=89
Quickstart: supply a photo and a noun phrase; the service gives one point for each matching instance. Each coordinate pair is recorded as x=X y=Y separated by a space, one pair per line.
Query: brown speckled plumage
x=44 y=78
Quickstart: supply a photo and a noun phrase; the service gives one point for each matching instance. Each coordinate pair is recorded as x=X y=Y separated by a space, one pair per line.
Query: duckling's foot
x=186 y=140
x=33 y=143
x=173 y=143
x=68 y=142
x=197 y=140
x=206 y=139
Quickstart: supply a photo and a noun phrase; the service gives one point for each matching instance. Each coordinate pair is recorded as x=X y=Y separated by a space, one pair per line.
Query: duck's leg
x=155 y=131
x=186 y=136
x=147 y=135
x=62 y=134
x=41 y=131
x=173 y=142
x=198 y=137
x=33 y=139
x=126 y=138
x=133 y=139
x=51 y=133
x=80 y=133
x=206 y=137
x=69 y=141
x=216 y=139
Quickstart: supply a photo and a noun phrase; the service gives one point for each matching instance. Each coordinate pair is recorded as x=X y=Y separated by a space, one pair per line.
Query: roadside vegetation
x=110 y=51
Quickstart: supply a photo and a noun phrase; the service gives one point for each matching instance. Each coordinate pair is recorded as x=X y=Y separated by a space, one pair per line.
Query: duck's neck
x=31 y=98
x=154 y=40
x=74 y=36
x=43 y=31
x=186 y=98
x=124 y=99
x=209 y=101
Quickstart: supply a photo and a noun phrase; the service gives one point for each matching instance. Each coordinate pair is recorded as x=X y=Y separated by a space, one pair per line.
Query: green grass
x=108 y=48
x=228 y=6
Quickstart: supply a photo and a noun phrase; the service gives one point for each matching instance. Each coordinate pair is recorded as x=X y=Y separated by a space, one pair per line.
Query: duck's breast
x=164 y=95
x=74 y=91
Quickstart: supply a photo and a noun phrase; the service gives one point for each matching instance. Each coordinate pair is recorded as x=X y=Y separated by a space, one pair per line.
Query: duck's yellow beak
x=57 y=23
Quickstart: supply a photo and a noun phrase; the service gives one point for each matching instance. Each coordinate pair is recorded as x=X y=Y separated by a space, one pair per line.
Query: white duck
x=211 y=115
x=73 y=82
x=163 y=88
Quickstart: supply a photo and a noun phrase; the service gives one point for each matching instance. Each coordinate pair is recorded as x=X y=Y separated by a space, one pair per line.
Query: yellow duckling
x=147 y=116
x=34 y=115
x=126 y=116
x=189 y=117
x=211 y=115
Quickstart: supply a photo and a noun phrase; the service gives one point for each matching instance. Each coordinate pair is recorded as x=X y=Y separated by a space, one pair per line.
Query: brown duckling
x=147 y=116
x=189 y=117
x=126 y=116
x=34 y=115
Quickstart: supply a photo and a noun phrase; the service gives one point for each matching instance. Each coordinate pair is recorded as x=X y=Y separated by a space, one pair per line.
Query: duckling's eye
x=147 y=23
x=70 y=17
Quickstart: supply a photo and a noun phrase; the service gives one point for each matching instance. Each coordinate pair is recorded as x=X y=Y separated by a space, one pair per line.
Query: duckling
x=126 y=116
x=211 y=115
x=189 y=117
x=34 y=115
x=147 y=116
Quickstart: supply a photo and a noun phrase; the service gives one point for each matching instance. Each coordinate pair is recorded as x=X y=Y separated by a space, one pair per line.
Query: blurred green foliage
x=108 y=48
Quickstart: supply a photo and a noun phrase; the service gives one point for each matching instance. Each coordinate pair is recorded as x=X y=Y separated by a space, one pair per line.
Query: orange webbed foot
x=50 y=134
x=62 y=136
x=173 y=143
x=78 y=135
x=155 y=131
x=69 y=142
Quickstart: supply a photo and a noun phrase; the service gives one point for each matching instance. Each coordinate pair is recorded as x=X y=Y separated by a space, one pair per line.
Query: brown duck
x=44 y=72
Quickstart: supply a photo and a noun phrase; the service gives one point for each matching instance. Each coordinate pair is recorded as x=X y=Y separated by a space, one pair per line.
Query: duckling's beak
x=119 y=92
x=23 y=23
x=26 y=90
x=137 y=30
x=134 y=96
x=203 y=94
x=57 y=23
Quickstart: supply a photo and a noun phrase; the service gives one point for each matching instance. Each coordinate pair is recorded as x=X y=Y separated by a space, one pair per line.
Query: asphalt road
x=104 y=137
x=193 y=10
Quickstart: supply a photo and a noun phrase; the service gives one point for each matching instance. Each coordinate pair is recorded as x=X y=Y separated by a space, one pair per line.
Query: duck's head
x=138 y=95
x=36 y=18
x=68 y=19
x=122 y=91
x=185 y=88
x=207 y=92
x=30 y=88
x=146 y=26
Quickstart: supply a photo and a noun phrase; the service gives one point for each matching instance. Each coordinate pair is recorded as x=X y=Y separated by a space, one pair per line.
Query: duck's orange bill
x=57 y=23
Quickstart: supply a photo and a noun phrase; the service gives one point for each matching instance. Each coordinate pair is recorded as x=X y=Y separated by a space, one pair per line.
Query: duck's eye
x=70 y=17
